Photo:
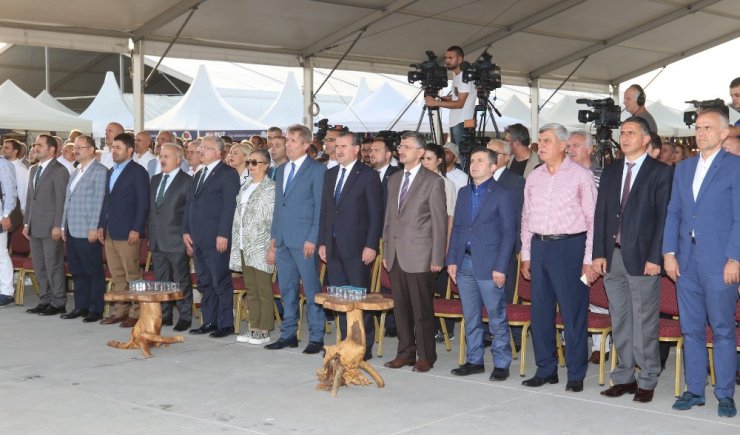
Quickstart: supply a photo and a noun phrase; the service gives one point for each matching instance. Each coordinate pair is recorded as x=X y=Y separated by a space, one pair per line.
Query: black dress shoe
x=391 y=333
x=468 y=369
x=222 y=332
x=499 y=374
x=205 y=329
x=75 y=314
x=574 y=386
x=167 y=322
x=313 y=347
x=37 y=309
x=283 y=343
x=92 y=317
x=536 y=381
x=52 y=311
x=183 y=325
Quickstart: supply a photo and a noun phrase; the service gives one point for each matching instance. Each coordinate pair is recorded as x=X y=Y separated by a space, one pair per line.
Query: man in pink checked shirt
x=557 y=233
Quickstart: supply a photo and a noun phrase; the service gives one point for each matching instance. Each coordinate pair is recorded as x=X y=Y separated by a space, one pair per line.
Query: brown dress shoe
x=113 y=319
x=618 y=390
x=596 y=355
x=129 y=323
x=399 y=362
x=643 y=396
x=422 y=366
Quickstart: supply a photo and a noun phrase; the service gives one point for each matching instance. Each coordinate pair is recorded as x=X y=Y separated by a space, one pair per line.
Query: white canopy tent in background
x=564 y=112
x=374 y=113
x=202 y=108
x=52 y=102
x=518 y=109
x=108 y=106
x=668 y=119
x=362 y=92
x=20 y=111
x=287 y=108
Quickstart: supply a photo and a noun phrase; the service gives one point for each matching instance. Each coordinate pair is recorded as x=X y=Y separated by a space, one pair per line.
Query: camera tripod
x=435 y=124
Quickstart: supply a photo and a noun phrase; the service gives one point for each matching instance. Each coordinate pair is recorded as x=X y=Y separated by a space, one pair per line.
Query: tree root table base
x=343 y=362
x=146 y=332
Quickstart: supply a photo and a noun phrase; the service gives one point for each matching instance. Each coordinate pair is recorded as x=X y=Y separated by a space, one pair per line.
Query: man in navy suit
x=351 y=224
x=482 y=239
x=628 y=238
x=701 y=249
x=206 y=227
x=122 y=224
x=295 y=233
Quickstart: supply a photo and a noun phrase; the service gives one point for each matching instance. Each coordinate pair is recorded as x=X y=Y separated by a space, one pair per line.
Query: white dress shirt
x=348 y=169
x=382 y=171
x=702 y=167
x=635 y=169
x=67 y=164
x=298 y=162
x=144 y=159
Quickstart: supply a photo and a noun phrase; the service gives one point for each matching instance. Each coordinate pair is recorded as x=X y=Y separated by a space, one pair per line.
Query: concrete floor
x=59 y=377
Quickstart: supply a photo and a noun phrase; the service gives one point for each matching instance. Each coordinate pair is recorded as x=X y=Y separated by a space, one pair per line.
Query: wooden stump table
x=146 y=331
x=343 y=361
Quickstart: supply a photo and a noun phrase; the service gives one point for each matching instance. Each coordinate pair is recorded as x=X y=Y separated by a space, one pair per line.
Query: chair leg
x=712 y=377
x=613 y=363
x=238 y=307
x=514 y=353
x=461 y=356
x=559 y=348
x=523 y=352
x=278 y=319
x=602 y=356
x=301 y=304
x=380 y=333
x=20 y=287
x=679 y=347
x=443 y=325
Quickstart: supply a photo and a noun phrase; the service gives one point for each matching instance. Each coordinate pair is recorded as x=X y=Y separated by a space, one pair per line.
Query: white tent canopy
x=287 y=108
x=52 y=102
x=564 y=112
x=20 y=111
x=108 y=106
x=518 y=109
x=362 y=92
x=378 y=111
x=202 y=108
x=668 y=119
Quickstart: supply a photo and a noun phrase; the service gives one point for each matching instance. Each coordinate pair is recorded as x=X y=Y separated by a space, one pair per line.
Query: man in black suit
x=628 y=238
x=167 y=199
x=207 y=235
x=514 y=182
x=350 y=224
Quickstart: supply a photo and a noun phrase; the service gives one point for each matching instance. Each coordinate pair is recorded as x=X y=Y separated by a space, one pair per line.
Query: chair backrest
x=668 y=299
x=737 y=311
x=597 y=294
x=523 y=289
x=385 y=279
x=451 y=290
x=144 y=256
x=19 y=245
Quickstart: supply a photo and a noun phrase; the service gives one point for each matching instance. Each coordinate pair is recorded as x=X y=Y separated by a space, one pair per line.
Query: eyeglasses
x=78 y=148
x=254 y=162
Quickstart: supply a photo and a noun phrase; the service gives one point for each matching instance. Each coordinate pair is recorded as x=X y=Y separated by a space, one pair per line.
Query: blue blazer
x=297 y=213
x=515 y=183
x=357 y=220
x=491 y=232
x=126 y=207
x=209 y=213
x=714 y=217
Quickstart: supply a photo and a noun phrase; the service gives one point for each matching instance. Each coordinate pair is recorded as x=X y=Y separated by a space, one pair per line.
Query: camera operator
x=461 y=103
x=634 y=103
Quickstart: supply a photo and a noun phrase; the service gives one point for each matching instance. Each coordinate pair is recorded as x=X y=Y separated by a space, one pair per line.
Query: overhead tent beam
x=72 y=74
x=623 y=36
x=529 y=21
x=331 y=39
x=165 y=17
x=676 y=57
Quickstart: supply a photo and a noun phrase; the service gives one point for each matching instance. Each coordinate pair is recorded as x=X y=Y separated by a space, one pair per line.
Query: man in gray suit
x=295 y=232
x=42 y=224
x=82 y=205
x=168 y=193
x=414 y=244
x=154 y=167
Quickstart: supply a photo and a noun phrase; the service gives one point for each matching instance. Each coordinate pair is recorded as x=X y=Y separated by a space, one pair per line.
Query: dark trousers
x=48 y=263
x=352 y=271
x=85 y=261
x=556 y=268
x=175 y=267
x=413 y=295
x=214 y=282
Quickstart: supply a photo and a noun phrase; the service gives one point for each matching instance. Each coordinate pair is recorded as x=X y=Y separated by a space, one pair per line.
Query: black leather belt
x=467 y=250
x=551 y=237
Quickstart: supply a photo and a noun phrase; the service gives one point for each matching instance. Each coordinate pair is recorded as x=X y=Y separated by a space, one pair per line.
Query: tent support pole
x=137 y=64
x=534 y=104
x=307 y=65
x=46 y=68
x=120 y=72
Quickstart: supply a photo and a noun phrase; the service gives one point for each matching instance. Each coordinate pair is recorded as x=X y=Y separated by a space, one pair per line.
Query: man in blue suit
x=206 y=228
x=295 y=233
x=481 y=242
x=351 y=224
x=701 y=249
x=123 y=222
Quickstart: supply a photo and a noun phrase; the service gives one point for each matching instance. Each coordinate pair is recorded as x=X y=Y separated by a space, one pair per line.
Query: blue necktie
x=338 y=190
x=290 y=175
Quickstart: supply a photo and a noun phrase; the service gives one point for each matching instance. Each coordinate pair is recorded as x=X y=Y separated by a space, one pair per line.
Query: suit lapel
x=418 y=180
x=209 y=178
x=641 y=175
x=173 y=185
x=299 y=173
x=350 y=181
x=43 y=175
x=716 y=163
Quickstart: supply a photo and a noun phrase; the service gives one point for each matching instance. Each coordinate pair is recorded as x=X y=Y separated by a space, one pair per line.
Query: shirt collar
x=708 y=161
x=120 y=166
x=173 y=172
x=299 y=161
x=499 y=171
x=483 y=186
x=413 y=171
x=348 y=167
x=212 y=165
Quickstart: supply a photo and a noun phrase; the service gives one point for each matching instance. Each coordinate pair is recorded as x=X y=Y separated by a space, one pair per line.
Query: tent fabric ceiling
x=532 y=39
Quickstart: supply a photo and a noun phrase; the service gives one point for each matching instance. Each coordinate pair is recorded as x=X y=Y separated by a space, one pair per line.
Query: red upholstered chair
x=670 y=329
x=520 y=315
x=450 y=307
x=20 y=256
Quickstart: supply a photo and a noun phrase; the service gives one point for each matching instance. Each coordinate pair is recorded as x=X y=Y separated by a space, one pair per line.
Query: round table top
x=373 y=301
x=150 y=296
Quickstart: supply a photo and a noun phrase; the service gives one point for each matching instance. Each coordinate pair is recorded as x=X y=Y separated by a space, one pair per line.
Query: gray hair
x=302 y=130
x=174 y=147
x=214 y=140
x=418 y=138
x=560 y=131
x=585 y=135
x=506 y=145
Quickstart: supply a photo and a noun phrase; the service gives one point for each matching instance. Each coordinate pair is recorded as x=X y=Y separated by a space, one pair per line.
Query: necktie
x=625 y=195
x=160 y=192
x=36 y=178
x=290 y=175
x=404 y=189
x=202 y=179
x=338 y=190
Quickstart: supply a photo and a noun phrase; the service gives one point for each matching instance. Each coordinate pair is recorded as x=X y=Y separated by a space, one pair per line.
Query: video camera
x=392 y=138
x=604 y=114
x=430 y=73
x=486 y=76
x=323 y=127
x=689 y=117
